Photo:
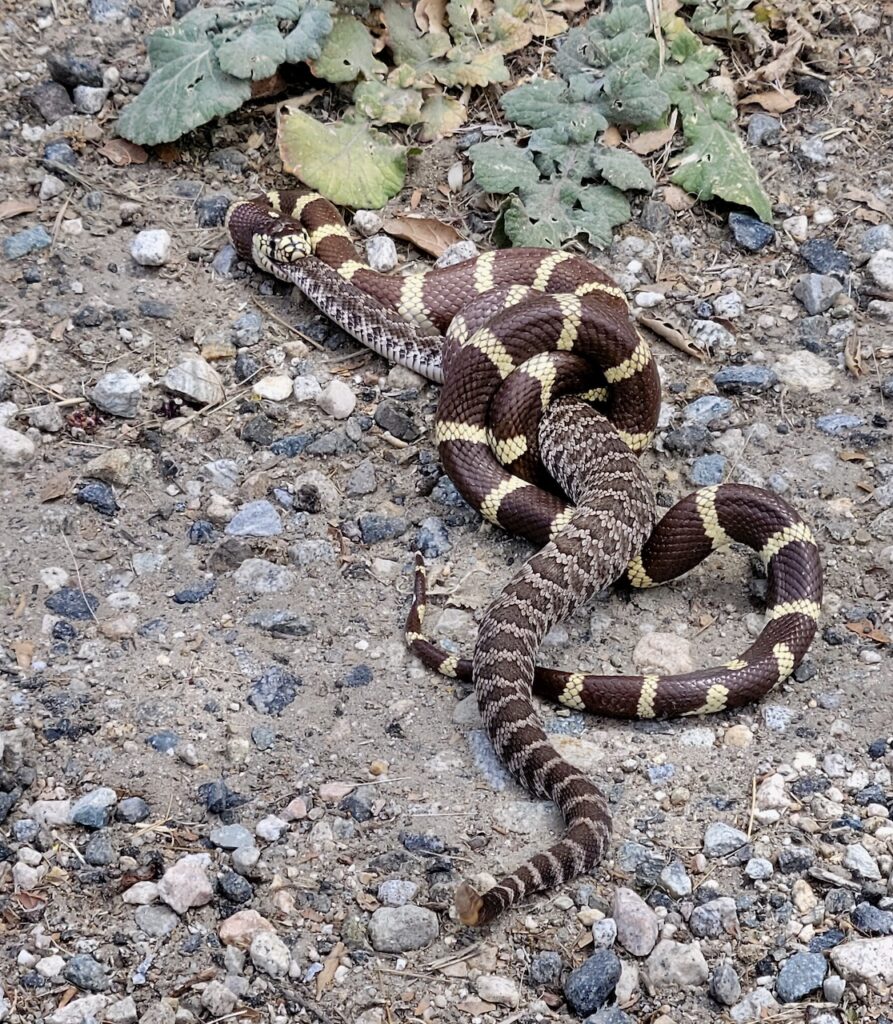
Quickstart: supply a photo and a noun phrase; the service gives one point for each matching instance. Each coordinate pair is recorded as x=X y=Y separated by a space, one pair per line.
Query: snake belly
x=549 y=395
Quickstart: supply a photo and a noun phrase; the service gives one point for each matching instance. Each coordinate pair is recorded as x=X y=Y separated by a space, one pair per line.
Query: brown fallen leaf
x=327 y=975
x=426 y=233
x=122 y=153
x=24 y=652
x=611 y=137
x=775 y=101
x=16 y=207
x=672 y=335
x=852 y=356
x=56 y=487
x=851 y=455
x=867 y=629
x=430 y=15
x=860 y=195
x=677 y=198
x=648 y=142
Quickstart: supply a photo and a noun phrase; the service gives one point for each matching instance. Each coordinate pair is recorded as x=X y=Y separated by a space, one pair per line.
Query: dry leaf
x=677 y=198
x=425 y=233
x=430 y=15
x=327 y=975
x=860 y=195
x=16 y=207
x=776 y=101
x=122 y=153
x=852 y=356
x=867 y=629
x=24 y=652
x=851 y=455
x=367 y=902
x=611 y=137
x=672 y=335
x=648 y=142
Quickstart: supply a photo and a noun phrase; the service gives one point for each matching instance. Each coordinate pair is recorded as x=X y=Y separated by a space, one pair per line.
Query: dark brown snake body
x=549 y=395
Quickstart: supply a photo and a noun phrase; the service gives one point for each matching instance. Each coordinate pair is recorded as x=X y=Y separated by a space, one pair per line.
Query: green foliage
x=203 y=65
x=349 y=162
x=566 y=182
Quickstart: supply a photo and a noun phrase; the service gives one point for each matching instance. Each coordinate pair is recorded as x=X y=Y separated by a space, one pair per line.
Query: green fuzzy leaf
x=548 y=215
x=633 y=97
x=621 y=168
x=305 y=40
x=256 y=53
x=348 y=162
x=347 y=53
x=407 y=42
x=715 y=163
x=547 y=104
x=555 y=150
x=186 y=89
x=470 y=65
x=502 y=167
x=383 y=104
x=441 y=117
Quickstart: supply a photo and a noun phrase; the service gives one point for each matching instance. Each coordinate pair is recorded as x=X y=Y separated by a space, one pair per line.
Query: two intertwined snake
x=549 y=395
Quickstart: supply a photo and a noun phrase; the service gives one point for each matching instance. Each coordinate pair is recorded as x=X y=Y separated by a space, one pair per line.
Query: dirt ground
x=199 y=665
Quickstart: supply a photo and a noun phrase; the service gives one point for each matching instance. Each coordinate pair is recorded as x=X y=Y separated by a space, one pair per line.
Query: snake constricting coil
x=549 y=395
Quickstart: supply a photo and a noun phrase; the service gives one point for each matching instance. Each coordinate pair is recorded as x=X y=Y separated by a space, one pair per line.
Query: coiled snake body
x=549 y=395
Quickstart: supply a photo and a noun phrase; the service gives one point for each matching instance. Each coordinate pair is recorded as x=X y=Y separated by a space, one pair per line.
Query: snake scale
x=549 y=395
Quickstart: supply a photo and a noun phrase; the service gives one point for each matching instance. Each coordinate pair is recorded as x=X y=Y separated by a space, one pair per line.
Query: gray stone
x=721 y=839
x=89 y=99
x=94 y=809
x=714 y=918
x=545 y=968
x=637 y=924
x=880 y=268
x=861 y=863
x=23 y=243
x=255 y=519
x=155 y=920
x=817 y=292
x=675 y=881
x=705 y=409
x=675 y=965
x=750 y=232
x=763 y=130
x=758 y=868
x=590 y=985
x=756 y=1005
x=397 y=892
x=99 y=850
x=725 y=987
x=813 y=151
x=878 y=237
x=195 y=380
x=231 y=837
x=708 y=470
x=399 y=929
x=866 y=961
x=117 y=393
x=745 y=380
x=270 y=954
x=799 y=975
x=86 y=973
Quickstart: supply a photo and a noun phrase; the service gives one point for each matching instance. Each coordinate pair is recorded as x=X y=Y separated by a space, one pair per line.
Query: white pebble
x=151 y=248
x=367 y=222
x=337 y=400
x=381 y=253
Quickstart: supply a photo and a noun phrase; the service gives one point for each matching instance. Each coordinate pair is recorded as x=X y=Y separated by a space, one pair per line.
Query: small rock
x=546 y=967
x=675 y=880
x=86 y=973
x=861 y=863
x=759 y=869
x=714 y=918
x=18 y=350
x=231 y=837
x=725 y=987
x=817 y=292
x=151 y=248
x=240 y=929
x=823 y=257
x=675 y=965
x=255 y=519
x=15 y=449
x=763 y=130
x=185 y=884
x=494 y=988
x=663 y=654
x=274 y=690
x=117 y=393
x=708 y=470
x=381 y=253
x=813 y=151
x=745 y=380
x=337 y=399
x=721 y=839
x=275 y=388
x=803 y=369
x=399 y=929
x=750 y=232
x=367 y=222
x=155 y=921
x=637 y=924
x=590 y=985
x=865 y=961
x=880 y=268
x=195 y=380
x=89 y=99
x=755 y=1006
x=799 y=975
x=94 y=809
x=872 y=920
x=99 y=850
x=397 y=892
x=270 y=954
x=23 y=243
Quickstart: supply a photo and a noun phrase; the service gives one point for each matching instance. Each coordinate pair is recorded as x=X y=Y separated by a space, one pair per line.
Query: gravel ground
x=227 y=792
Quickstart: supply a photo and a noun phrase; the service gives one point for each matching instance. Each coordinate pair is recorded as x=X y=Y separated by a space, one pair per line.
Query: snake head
x=265 y=236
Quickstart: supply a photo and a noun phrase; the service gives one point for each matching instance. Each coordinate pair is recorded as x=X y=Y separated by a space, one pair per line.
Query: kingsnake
x=533 y=346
